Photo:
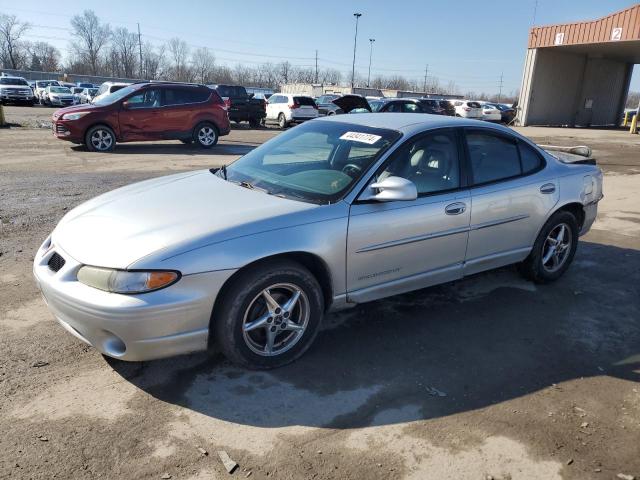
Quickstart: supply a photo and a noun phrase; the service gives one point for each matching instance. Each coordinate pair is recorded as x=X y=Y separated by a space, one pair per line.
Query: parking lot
x=489 y=377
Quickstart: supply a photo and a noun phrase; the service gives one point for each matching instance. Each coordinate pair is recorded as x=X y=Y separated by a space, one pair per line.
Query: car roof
x=409 y=123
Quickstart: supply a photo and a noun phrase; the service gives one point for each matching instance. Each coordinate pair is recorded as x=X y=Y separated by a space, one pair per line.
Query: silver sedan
x=332 y=213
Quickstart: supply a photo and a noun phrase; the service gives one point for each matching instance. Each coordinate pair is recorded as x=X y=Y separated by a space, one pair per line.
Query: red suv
x=146 y=111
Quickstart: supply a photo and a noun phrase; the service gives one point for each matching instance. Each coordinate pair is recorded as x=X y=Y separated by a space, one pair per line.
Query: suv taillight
x=466 y=109
x=294 y=105
x=227 y=102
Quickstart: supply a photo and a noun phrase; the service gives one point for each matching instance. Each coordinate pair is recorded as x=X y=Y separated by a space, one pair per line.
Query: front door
x=511 y=196
x=394 y=247
x=140 y=115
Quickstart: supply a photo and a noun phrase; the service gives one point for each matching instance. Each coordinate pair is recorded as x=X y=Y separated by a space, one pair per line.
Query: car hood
x=86 y=107
x=15 y=87
x=174 y=213
x=351 y=102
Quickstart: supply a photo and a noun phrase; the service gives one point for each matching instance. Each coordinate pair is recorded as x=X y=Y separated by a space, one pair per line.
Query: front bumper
x=68 y=130
x=168 y=322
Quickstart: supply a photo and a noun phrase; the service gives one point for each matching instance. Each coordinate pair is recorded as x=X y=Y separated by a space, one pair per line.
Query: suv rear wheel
x=282 y=121
x=100 y=139
x=205 y=134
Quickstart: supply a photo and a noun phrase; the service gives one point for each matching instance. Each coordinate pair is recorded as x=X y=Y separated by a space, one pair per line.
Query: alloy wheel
x=276 y=319
x=101 y=140
x=207 y=136
x=556 y=248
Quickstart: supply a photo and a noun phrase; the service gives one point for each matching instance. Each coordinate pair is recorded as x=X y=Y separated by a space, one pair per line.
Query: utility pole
x=316 y=66
x=355 y=41
x=426 y=71
x=371 y=40
x=500 y=91
x=140 y=48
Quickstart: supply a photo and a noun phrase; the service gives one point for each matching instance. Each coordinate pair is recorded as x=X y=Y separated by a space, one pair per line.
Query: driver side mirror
x=125 y=104
x=391 y=189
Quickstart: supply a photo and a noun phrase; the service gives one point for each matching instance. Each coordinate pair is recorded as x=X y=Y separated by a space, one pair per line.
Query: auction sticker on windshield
x=361 y=137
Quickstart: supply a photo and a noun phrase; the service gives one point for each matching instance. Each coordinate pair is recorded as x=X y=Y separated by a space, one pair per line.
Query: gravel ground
x=491 y=375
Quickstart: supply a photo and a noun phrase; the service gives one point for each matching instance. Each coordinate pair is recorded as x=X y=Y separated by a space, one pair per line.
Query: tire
x=205 y=135
x=244 y=303
x=100 y=139
x=254 y=122
x=282 y=121
x=534 y=267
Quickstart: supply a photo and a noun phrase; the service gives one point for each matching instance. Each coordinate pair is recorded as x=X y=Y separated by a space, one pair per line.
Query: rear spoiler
x=580 y=154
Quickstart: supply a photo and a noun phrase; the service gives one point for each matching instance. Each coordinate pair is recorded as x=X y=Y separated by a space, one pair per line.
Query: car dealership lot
x=491 y=375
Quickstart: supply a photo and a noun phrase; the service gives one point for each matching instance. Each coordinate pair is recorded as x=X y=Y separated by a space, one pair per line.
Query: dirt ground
x=489 y=376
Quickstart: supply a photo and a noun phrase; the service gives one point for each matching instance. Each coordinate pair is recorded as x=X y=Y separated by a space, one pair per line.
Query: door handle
x=455 y=208
x=548 y=188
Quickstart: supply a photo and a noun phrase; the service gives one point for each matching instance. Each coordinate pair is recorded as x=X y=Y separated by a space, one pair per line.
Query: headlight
x=74 y=116
x=125 y=281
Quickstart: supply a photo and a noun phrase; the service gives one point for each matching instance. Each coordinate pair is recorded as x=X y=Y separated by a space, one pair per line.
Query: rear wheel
x=205 y=135
x=100 y=139
x=553 y=250
x=269 y=316
x=254 y=122
x=282 y=121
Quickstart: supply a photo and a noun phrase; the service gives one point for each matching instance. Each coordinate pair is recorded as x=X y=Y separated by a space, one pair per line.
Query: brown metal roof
x=620 y=26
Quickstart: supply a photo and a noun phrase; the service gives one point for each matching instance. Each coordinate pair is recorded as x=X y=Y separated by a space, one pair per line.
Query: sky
x=471 y=42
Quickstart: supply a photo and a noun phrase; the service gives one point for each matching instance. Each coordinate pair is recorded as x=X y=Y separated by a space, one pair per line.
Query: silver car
x=334 y=212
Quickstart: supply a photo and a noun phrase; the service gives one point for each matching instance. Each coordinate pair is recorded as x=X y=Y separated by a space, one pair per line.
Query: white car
x=40 y=87
x=87 y=95
x=107 y=88
x=58 y=96
x=76 y=91
x=287 y=108
x=467 y=109
x=15 y=90
x=491 y=113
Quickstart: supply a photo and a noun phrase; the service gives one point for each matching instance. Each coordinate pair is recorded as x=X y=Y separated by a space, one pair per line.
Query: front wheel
x=269 y=315
x=553 y=250
x=254 y=122
x=100 y=139
x=205 y=135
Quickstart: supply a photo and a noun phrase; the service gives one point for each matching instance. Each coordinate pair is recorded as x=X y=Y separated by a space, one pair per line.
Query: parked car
x=58 y=96
x=326 y=105
x=467 y=109
x=360 y=104
x=491 y=113
x=107 y=88
x=242 y=107
x=287 y=108
x=15 y=90
x=76 y=91
x=41 y=85
x=87 y=95
x=338 y=211
x=507 y=112
x=85 y=85
x=145 y=111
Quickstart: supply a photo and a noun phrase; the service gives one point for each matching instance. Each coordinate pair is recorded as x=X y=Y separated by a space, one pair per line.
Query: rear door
x=511 y=196
x=179 y=108
x=141 y=115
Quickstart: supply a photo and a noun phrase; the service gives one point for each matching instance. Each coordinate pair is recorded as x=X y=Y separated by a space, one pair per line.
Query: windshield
x=12 y=81
x=92 y=91
x=315 y=162
x=60 y=90
x=376 y=106
x=115 y=96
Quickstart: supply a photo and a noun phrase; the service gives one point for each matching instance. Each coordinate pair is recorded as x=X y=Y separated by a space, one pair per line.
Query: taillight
x=227 y=102
x=315 y=106
x=466 y=109
x=294 y=105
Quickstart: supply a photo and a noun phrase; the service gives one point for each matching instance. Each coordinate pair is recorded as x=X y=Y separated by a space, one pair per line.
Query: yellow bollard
x=634 y=124
x=625 y=122
x=2 y=120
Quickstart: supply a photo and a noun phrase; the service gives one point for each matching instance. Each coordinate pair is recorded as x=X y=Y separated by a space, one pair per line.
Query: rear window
x=304 y=101
x=115 y=88
x=473 y=104
x=230 y=91
x=531 y=160
x=179 y=96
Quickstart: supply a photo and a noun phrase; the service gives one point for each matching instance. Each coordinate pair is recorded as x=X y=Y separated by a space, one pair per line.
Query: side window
x=102 y=89
x=431 y=162
x=150 y=98
x=410 y=108
x=174 y=96
x=492 y=157
x=394 y=107
x=531 y=160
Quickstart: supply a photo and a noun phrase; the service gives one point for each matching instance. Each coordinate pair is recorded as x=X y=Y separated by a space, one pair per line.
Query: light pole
x=355 y=40
x=371 y=40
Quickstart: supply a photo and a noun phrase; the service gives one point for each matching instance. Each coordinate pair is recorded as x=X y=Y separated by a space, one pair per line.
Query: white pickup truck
x=15 y=90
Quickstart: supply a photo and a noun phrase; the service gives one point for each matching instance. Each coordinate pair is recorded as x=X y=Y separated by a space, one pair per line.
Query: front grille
x=56 y=262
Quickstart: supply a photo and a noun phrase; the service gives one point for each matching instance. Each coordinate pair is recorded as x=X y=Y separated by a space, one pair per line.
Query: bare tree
x=12 y=50
x=153 y=61
x=91 y=36
x=179 y=56
x=204 y=64
x=125 y=45
x=44 y=57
